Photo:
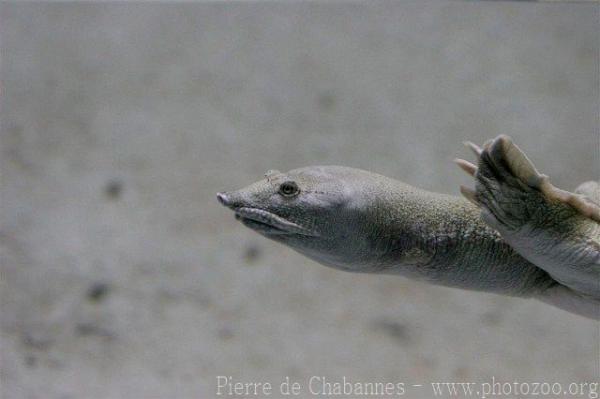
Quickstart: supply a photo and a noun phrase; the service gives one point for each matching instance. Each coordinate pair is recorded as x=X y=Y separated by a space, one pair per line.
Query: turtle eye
x=288 y=189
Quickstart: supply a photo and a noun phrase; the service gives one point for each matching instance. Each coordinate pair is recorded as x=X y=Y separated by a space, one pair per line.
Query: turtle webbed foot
x=507 y=184
x=509 y=188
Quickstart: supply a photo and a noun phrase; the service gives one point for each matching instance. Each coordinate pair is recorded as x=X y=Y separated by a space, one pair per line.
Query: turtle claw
x=466 y=166
x=473 y=147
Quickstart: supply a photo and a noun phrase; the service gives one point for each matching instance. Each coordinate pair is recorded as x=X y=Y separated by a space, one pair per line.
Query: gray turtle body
x=519 y=240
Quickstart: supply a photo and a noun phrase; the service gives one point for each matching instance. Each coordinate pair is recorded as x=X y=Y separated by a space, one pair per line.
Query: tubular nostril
x=223 y=199
x=231 y=200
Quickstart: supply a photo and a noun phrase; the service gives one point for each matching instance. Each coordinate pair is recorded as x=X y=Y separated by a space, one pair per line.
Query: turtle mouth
x=269 y=223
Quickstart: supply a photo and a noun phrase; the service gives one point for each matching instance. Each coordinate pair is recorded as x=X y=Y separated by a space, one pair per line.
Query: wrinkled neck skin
x=426 y=236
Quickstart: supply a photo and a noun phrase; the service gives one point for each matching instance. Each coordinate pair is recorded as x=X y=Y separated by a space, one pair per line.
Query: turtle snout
x=229 y=199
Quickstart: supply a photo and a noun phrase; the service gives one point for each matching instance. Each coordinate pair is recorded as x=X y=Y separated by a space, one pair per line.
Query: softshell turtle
x=516 y=235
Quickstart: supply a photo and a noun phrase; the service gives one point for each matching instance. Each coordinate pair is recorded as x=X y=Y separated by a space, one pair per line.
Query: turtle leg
x=556 y=230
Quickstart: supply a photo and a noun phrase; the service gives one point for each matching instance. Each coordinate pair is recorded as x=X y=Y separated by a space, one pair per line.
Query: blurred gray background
x=121 y=275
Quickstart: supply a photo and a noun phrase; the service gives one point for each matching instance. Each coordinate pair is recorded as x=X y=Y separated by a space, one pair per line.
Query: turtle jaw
x=259 y=226
x=268 y=223
x=262 y=221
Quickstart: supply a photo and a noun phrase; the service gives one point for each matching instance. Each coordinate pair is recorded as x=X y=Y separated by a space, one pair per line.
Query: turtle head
x=315 y=210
